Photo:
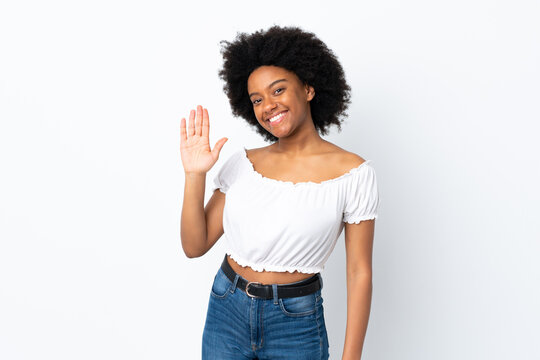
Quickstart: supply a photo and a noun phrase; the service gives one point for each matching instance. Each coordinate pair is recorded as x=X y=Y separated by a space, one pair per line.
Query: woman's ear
x=310 y=92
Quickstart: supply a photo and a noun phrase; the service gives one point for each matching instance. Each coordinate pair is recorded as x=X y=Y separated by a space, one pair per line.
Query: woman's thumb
x=219 y=145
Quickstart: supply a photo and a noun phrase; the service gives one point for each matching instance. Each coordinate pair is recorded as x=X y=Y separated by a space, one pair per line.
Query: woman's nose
x=269 y=105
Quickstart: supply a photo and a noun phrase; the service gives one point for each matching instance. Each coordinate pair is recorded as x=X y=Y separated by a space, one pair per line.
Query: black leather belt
x=258 y=290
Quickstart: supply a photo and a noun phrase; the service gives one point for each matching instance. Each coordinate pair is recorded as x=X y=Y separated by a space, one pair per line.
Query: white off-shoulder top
x=276 y=225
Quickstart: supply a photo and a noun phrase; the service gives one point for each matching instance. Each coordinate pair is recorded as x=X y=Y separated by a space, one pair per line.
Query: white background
x=445 y=103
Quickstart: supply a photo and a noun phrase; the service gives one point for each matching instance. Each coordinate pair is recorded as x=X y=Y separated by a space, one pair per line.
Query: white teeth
x=277 y=117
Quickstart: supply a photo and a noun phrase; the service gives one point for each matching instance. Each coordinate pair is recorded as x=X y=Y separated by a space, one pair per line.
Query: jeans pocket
x=221 y=285
x=298 y=306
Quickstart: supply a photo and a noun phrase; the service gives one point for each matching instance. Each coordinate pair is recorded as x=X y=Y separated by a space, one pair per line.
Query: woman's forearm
x=359 y=290
x=193 y=221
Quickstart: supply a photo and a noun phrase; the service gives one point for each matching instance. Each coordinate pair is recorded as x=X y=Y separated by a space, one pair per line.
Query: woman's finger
x=191 y=126
x=205 y=124
x=198 y=126
x=183 y=135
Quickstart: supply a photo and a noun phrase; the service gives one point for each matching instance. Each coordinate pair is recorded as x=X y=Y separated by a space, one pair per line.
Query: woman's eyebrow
x=269 y=86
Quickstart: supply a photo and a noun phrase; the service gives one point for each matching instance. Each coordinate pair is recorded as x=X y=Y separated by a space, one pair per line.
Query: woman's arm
x=197 y=159
x=193 y=220
x=359 y=248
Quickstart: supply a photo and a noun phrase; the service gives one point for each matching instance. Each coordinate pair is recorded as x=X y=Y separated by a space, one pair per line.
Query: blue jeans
x=241 y=327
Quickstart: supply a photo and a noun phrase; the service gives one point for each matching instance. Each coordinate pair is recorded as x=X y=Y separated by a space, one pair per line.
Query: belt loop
x=320 y=278
x=275 y=293
x=233 y=286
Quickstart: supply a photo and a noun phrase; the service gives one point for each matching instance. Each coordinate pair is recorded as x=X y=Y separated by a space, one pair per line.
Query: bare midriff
x=267 y=277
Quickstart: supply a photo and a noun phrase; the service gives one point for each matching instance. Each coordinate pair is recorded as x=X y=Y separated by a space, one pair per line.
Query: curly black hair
x=295 y=50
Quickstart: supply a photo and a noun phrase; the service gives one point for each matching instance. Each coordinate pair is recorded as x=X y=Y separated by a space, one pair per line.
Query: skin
x=299 y=155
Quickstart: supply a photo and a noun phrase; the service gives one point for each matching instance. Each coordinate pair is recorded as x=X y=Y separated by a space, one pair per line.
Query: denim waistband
x=267 y=291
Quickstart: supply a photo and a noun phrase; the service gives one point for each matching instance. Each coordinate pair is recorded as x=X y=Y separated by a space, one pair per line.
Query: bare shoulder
x=346 y=159
x=254 y=153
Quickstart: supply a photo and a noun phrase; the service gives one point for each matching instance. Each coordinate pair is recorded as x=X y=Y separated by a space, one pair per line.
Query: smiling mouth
x=277 y=118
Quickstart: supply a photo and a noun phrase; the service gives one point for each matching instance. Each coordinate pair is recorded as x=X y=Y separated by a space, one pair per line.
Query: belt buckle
x=247 y=288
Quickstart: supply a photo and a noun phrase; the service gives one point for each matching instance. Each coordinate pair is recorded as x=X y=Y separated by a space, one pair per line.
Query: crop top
x=277 y=225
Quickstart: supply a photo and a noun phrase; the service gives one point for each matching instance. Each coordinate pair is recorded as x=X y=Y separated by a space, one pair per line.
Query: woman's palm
x=197 y=157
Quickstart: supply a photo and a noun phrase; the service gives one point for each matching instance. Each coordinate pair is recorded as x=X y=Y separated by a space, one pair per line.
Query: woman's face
x=280 y=100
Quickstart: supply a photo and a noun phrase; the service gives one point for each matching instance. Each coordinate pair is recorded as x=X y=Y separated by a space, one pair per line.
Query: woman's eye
x=276 y=91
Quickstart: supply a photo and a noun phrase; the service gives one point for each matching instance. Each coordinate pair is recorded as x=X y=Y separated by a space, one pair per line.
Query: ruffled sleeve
x=227 y=174
x=362 y=196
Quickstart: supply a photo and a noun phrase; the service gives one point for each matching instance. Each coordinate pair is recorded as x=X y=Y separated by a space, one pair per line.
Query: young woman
x=286 y=203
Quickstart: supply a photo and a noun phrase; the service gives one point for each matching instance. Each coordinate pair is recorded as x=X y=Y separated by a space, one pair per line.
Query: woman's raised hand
x=194 y=144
